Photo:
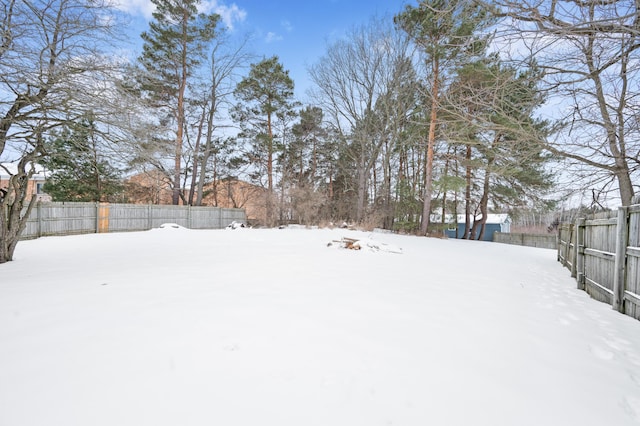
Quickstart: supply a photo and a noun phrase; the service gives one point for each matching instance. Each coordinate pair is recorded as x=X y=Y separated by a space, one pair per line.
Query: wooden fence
x=548 y=241
x=603 y=255
x=62 y=218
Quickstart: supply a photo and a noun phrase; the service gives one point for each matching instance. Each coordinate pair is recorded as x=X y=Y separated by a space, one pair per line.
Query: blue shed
x=495 y=223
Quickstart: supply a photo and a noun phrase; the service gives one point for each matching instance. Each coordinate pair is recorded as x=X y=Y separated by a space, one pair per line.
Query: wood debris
x=345 y=242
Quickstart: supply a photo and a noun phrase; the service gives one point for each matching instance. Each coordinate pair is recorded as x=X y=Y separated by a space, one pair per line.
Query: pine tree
x=491 y=115
x=78 y=172
x=173 y=48
x=446 y=31
x=309 y=139
x=265 y=95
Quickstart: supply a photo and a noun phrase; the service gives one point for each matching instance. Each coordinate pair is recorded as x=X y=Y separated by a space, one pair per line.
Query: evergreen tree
x=173 y=47
x=78 y=172
x=491 y=115
x=304 y=160
x=265 y=95
x=309 y=139
x=446 y=31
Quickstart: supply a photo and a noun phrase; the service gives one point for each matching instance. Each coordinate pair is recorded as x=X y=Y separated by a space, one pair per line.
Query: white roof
x=491 y=218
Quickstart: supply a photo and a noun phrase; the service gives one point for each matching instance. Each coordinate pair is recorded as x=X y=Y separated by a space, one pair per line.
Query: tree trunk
x=428 y=187
x=626 y=186
x=208 y=150
x=484 y=204
x=362 y=188
x=388 y=206
x=196 y=149
x=443 y=219
x=180 y=118
x=12 y=200
x=467 y=196
x=269 y=206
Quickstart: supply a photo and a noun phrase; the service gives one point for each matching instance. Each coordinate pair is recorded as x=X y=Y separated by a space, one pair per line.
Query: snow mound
x=171 y=226
x=235 y=225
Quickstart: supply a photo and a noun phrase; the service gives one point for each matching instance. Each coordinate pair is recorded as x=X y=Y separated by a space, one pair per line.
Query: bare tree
x=355 y=74
x=590 y=53
x=47 y=47
x=225 y=64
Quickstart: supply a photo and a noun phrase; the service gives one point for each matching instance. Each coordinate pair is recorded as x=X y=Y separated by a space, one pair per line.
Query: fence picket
x=606 y=258
x=62 y=218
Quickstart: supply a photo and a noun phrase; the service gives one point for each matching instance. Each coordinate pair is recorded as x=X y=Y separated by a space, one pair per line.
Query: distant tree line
x=437 y=113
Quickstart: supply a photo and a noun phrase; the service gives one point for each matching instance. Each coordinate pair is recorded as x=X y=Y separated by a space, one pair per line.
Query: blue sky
x=298 y=31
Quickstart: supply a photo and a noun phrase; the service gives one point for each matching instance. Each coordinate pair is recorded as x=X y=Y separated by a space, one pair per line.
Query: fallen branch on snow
x=365 y=243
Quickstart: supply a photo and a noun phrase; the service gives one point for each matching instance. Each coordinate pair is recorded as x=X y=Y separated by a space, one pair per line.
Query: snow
x=273 y=327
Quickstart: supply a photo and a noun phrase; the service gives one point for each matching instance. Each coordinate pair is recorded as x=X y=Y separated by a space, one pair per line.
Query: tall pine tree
x=446 y=31
x=174 y=46
x=265 y=95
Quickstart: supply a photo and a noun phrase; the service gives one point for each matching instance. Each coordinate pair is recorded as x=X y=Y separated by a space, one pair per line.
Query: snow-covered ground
x=272 y=327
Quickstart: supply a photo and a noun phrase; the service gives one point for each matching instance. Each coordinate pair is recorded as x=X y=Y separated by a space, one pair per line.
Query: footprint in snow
x=616 y=343
x=568 y=319
x=601 y=353
x=564 y=321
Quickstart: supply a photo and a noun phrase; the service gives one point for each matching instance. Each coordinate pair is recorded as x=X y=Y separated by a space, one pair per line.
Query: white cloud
x=136 y=7
x=286 y=25
x=272 y=37
x=229 y=14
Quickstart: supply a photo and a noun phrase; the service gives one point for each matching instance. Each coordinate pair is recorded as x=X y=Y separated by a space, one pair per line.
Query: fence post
x=39 y=217
x=149 y=216
x=579 y=249
x=574 y=257
x=565 y=248
x=103 y=217
x=622 y=239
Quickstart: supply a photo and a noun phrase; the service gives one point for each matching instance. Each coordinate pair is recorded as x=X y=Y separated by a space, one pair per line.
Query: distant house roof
x=497 y=218
x=9 y=169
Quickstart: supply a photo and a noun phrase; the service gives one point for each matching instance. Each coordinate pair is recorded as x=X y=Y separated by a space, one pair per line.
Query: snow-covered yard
x=273 y=327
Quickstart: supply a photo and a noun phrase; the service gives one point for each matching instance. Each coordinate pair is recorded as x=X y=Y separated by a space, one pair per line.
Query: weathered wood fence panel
x=606 y=258
x=566 y=244
x=170 y=214
x=62 y=218
x=599 y=251
x=549 y=241
x=632 y=292
x=129 y=217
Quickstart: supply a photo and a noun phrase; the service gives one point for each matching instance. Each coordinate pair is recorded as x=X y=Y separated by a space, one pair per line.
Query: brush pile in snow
x=364 y=244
